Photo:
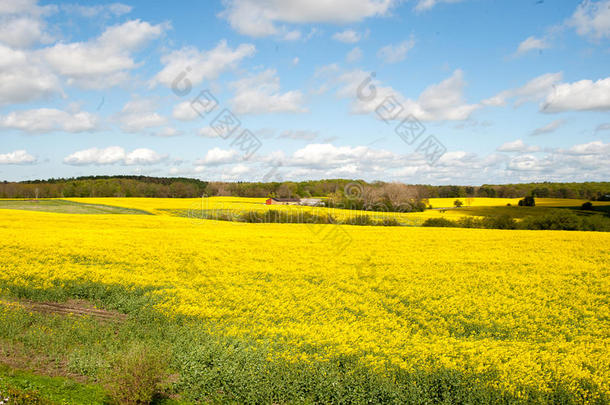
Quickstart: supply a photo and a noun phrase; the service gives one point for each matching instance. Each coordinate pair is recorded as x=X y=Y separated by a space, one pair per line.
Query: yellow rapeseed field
x=531 y=305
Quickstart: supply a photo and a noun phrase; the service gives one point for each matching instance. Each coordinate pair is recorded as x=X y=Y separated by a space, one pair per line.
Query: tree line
x=182 y=187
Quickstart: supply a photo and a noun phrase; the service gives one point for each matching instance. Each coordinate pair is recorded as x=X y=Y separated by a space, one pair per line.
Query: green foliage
x=559 y=220
x=136 y=375
x=23 y=387
x=588 y=206
x=528 y=201
x=458 y=203
x=440 y=223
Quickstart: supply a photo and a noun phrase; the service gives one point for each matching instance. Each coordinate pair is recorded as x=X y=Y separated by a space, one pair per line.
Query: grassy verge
x=29 y=388
x=67 y=207
x=200 y=364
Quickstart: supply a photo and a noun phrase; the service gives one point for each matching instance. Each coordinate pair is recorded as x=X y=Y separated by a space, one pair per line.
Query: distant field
x=498 y=202
x=67 y=207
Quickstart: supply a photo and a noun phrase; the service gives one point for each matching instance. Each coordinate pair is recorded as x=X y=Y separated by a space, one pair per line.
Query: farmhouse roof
x=286 y=199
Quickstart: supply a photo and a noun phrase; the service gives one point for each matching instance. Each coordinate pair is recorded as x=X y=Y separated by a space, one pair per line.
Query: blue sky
x=501 y=91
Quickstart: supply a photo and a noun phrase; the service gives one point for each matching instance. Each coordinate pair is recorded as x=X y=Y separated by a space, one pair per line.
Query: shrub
x=503 y=221
x=135 y=377
x=358 y=220
x=588 y=206
x=528 y=201
x=440 y=223
x=458 y=203
x=559 y=220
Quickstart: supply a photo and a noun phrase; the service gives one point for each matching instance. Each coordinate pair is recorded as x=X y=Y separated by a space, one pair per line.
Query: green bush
x=528 y=201
x=503 y=221
x=136 y=376
x=440 y=223
x=588 y=206
x=559 y=220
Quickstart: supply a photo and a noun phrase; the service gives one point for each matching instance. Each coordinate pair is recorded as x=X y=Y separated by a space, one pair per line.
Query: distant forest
x=180 y=187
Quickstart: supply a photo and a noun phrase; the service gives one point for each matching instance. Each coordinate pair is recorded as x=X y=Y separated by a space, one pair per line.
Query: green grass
x=211 y=367
x=67 y=207
x=58 y=390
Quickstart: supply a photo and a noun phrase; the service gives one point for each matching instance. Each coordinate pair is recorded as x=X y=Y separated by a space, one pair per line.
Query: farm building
x=294 y=201
x=313 y=202
x=283 y=201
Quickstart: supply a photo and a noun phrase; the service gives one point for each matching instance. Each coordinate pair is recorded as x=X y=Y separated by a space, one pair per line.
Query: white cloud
x=208 y=132
x=217 y=156
x=23 y=31
x=21 y=23
x=329 y=156
x=98 y=11
x=113 y=155
x=295 y=61
x=354 y=55
x=579 y=96
x=517 y=146
x=532 y=44
x=591 y=148
x=200 y=65
x=260 y=93
x=533 y=90
x=424 y=5
x=592 y=19
x=49 y=120
x=105 y=61
x=347 y=36
x=548 y=128
x=143 y=156
x=184 y=112
x=18 y=157
x=396 y=53
x=299 y=135
x=138 y=115
x=23 y=79
x=439 y=102
x=258 y=18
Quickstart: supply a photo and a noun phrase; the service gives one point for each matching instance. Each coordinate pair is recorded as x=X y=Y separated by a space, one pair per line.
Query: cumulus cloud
x=533 y=90
x=260 y=93
x=22 y=24
x=18 y=157
x=49 y=120
x=299 y=135
x=517 y=146
x=439 y=102
x=112 y=155
x=184 y=112
x=138 y=115
x=396 y=53
x=532 y=44
x=548 y=128
x=260 y=18
x=347 y=36
x=199 y=65
x=579 y=96
x=23 y=78
x=592 y=19
x=22 y=31
x=217 y=156
x=424 y=5
x=104 y=61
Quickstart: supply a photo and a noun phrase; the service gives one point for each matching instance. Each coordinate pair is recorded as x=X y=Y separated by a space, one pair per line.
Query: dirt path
x=71 y=307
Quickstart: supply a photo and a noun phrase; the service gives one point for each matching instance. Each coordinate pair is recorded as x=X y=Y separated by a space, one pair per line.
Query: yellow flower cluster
x=531 y=305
